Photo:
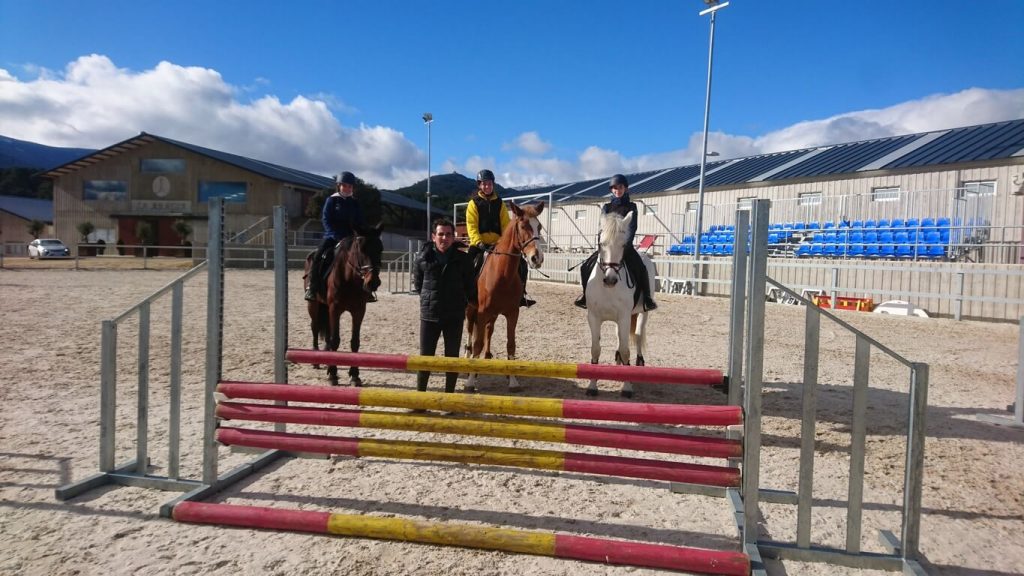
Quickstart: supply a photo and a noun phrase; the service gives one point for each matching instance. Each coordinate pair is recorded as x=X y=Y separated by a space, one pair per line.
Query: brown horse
x=353 y=277
x=499 y=288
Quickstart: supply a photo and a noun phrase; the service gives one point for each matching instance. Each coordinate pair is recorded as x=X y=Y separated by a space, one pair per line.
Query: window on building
x=981 y=188
x=105 y=190
x=885 y=194
x=230 y=191
x=650 y=209
x=809 y=199
x=165 y=165
x=554 y=215
x=581 y=214
x=691 y=206
x=746 y=203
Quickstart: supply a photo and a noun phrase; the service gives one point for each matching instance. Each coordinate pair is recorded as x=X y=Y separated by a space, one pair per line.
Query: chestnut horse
x=499 y=288
x=354 y=275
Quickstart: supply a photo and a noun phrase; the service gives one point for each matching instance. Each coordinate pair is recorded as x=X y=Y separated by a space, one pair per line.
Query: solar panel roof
x=844 y=157
x=985 y=142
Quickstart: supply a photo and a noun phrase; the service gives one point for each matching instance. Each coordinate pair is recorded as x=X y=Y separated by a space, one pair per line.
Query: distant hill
x=22 y=154
x=450 y=189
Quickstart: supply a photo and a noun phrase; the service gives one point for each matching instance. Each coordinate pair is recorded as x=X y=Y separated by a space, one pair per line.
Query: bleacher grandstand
x=941 y=238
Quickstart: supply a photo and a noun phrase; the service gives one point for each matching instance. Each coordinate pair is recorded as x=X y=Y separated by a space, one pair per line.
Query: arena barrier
x=745 y=375
x=468 y=536
x=620 y=373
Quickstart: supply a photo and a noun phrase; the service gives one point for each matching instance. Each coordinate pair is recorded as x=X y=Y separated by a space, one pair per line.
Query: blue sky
x=540 y=91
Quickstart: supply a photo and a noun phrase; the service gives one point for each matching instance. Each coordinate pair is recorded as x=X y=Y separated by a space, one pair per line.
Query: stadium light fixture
x=713 y=7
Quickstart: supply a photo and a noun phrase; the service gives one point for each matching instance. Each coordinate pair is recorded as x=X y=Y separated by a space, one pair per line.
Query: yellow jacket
x=473 y=221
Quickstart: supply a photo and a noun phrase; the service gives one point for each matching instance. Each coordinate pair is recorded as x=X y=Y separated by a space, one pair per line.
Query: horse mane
x=613 y=226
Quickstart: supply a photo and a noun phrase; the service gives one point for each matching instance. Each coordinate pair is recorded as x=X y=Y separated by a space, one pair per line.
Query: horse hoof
x=627 y=393
x=591 y=392
x=334 y=382
x=354 y=381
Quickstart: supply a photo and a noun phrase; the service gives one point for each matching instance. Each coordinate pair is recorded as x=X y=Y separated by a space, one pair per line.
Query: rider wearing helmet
x=486 y=218
x=341 y=216
x=621 y=205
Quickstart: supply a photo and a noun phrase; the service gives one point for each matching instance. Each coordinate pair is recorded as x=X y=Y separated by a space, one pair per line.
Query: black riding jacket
x=622 y=207
x=444 y=288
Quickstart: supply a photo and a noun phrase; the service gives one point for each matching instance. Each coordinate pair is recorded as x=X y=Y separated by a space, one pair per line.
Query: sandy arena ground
x=973 y=520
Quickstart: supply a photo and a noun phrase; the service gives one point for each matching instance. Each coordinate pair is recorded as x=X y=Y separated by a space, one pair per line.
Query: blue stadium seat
x=828 y=225
x=886 y=237
x=856 y=251
x=887 y=251
x=901 y=237
x=896 y=223
x=912 y=223
x=830 y=250
x=883 y=223
x=870 y=225
x=856 y=237
x=813 y=226
x=935 y=252
x=943 y=222
x=904 y=250
x=932 y=237
x=871 y=237
x=857 y=224
x=817 y=250
x=872 y=251
x=803 y=251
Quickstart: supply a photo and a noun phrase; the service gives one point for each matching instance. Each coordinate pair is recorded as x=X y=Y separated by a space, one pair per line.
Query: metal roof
x=28 y=208
x=284 y=174
x=995 y=141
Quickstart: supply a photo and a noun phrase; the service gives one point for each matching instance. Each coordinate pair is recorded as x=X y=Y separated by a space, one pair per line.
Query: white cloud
x=93 y=104
x=529 y=142
x=936 y=112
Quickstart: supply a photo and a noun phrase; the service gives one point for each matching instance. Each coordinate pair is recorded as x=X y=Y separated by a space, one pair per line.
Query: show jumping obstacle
x=517 y=418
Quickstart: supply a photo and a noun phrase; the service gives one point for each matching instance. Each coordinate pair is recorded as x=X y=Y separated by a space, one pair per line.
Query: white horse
x=612 y=296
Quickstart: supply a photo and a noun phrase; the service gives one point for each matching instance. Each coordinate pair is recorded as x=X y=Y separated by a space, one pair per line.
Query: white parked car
x=48 y=248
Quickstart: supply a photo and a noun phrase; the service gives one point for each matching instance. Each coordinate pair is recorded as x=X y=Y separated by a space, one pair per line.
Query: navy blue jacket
x=340 y=216
x=622 y=207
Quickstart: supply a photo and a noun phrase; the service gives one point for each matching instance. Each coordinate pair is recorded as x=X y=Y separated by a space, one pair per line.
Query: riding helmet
x=618 y=179
x=484 y=174
x=346 y=178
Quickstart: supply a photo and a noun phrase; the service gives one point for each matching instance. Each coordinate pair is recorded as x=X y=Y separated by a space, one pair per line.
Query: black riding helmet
x=346 y=178
x=618 y=179
x=484 y=174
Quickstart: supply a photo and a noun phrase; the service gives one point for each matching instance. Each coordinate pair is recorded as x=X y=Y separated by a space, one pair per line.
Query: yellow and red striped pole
x=646 y=374
x=493 y=455
x=620 y=552
x=507 y=428
x=693 y=415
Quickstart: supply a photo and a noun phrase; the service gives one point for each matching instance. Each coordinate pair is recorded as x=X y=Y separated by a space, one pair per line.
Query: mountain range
x=22 y=154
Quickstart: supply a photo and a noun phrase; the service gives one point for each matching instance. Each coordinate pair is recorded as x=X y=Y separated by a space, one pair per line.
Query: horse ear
x=628 y=219
x=540 y=207
x=515 y=209
x=379 y=226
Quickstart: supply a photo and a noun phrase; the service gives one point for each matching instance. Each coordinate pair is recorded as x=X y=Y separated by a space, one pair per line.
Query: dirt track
x=973 y=505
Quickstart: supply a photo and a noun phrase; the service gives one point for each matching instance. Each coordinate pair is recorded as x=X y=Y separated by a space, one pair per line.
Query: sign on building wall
x=160 y=206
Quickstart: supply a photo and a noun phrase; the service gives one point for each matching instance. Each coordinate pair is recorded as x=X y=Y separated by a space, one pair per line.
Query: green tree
x=183 y=230
x=145 y=233
x=85 y=228
x=36 y=227
x=367 y=195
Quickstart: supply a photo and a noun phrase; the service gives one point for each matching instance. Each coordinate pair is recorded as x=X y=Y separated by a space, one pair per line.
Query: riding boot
x=372 y=297
x=524 y=301
x=586 y=267
x=639 y=271
x=421 y=380
x=314 y=281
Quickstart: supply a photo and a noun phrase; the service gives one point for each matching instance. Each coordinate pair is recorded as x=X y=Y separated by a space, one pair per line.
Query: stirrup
x=650 y=304
x=581 y=302
x=372 y=297
x=526 y=302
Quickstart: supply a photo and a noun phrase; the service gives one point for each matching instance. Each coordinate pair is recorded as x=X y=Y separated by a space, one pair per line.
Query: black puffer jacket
x=444 y=289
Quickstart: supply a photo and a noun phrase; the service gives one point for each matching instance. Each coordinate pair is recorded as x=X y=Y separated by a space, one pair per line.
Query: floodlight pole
x=715 y=7
x=428 y=119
